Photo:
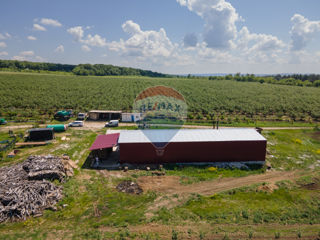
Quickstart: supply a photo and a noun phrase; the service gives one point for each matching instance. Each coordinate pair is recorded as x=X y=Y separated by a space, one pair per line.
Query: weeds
x=174 y=235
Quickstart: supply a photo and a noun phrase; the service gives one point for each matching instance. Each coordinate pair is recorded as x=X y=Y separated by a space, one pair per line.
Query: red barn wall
x=177 y=152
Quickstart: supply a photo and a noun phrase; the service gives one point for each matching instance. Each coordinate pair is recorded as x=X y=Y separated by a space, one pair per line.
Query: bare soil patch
x=316 y=135
x=171 y=184
x=314 y=185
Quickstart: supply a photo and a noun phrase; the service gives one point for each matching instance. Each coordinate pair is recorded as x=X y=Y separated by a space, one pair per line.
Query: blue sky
x=170 y=36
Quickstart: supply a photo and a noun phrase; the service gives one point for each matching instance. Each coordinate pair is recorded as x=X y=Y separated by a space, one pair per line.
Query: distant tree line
x=110 y=70
x=81 y=69
x=309 y=80
x=37 y=66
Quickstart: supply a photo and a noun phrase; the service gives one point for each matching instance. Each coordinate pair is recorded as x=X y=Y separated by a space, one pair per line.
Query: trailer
x=40 y=134
x=58 y=127
x=131 y=117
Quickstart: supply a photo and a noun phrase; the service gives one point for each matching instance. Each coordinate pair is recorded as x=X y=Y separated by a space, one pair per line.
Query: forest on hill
x=301 y=80
x=80 y=69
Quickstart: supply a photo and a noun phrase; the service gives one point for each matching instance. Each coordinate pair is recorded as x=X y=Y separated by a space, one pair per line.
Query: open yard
x=187 y=202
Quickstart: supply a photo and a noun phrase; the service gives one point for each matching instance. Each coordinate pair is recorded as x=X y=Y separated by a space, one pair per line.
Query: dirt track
x=171 y=184
x=94 y=125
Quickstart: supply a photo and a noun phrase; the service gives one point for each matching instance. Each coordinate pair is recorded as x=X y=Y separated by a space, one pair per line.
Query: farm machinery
x=63 y=115
x=2 y=121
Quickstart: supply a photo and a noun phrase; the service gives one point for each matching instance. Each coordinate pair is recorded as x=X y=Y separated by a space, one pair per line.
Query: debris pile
x=44 y=167
x=25 y=189
x=129 y=187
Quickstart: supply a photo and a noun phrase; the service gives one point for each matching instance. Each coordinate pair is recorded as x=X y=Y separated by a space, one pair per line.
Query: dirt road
x=171 y=184
x=93 y=125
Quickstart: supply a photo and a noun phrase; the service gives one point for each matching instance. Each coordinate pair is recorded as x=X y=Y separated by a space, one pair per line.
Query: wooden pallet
x=30 y=144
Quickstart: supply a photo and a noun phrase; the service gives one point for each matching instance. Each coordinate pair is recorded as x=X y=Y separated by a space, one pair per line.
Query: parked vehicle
x=81 y=116
x=76 y=124
x=112 y=123
x=63 y=115
x=3 y=121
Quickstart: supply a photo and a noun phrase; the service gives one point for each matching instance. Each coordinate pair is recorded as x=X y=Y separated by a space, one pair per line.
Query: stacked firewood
x=25 y=189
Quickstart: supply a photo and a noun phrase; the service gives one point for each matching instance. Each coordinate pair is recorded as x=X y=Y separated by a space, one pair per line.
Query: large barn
x=191 y=146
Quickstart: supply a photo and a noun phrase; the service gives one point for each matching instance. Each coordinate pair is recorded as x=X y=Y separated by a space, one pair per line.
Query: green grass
x=192 y=174
x=293 y=149
x=87 y=204
x=248 y=206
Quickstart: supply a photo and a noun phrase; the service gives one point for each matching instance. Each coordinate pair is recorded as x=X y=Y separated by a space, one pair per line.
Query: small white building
x=131 y=117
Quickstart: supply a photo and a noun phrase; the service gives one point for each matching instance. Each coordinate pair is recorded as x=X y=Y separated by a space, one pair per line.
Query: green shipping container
x=57 y=127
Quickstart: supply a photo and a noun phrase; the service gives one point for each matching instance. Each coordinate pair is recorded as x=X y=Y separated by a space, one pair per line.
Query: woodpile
x=44 y=167
x=25 y=188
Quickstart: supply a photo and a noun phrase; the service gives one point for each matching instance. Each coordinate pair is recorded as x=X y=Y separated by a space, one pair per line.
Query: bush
x=174 y=235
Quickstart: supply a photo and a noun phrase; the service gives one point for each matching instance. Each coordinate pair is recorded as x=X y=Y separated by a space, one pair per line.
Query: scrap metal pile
x=25 y=189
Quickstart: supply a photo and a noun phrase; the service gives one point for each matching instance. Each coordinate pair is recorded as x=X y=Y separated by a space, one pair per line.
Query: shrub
x=297 y=141
x=174 y=235
x=214 y=169
x=245 y=214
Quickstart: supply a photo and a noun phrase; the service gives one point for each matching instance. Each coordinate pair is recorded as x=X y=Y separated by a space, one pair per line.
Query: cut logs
x=25 y=189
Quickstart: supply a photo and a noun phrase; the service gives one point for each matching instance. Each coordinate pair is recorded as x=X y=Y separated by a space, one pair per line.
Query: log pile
x=25 y=189
x=44 y=167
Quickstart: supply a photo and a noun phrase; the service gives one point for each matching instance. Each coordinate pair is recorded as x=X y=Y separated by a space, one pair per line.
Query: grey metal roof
x=104 y=111
x=189 y=135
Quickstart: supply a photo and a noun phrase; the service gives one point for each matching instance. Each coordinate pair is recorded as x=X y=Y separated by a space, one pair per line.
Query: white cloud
x=143 y=43
x=258 y=42
x=51 y=22
x=302 y=31
x=95 y=40
x=3 y=45
x=32 y=38
x=4 y=36
x=91 y=40
x=85 y=48
x=76 y=32
x=27 y=56
x=59 y=49
x=190 y=40
x=3 y=53
x=19 y=58
x=220 y=21
x=40 y=59
x=27 y=53
x=38 y=27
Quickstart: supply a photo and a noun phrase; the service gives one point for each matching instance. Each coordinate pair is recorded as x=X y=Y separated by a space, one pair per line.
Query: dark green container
x=57 y=127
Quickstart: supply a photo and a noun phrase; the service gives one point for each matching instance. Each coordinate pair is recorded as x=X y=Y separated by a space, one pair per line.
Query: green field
x=36 y=96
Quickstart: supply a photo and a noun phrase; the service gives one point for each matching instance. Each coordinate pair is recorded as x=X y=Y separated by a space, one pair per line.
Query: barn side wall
x=232 y=151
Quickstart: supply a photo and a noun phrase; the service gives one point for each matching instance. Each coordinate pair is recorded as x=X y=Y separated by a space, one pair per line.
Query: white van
x=112 y=123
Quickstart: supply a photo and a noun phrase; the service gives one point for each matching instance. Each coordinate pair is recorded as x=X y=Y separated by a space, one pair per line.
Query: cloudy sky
x=169 y=36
